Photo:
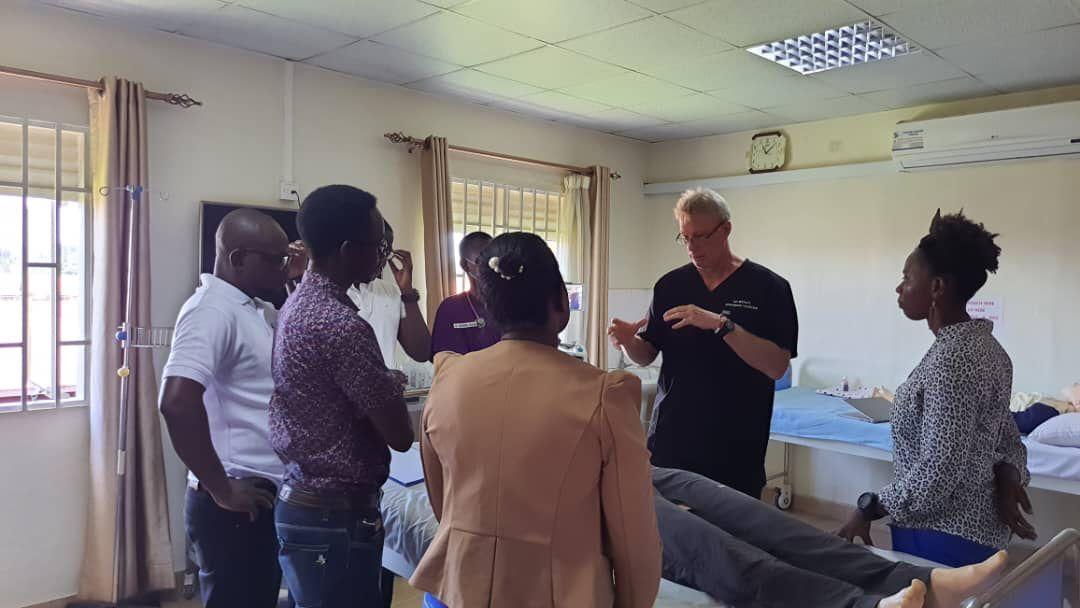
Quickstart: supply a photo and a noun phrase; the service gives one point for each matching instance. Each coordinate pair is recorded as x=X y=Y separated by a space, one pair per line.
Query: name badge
x=469 y=325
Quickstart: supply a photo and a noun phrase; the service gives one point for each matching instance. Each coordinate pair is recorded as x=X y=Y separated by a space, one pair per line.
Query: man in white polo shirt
x=215 y=401
x=392 y=308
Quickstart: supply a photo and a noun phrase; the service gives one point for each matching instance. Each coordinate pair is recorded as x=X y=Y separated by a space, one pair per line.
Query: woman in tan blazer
x=535 y=462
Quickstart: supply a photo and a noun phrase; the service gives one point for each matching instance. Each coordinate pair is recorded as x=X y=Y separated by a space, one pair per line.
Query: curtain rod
x=413 y=143
x=176 y=99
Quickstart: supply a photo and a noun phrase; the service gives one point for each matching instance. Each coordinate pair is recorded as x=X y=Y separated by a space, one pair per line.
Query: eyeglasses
x=278 y=261
x=684 y=240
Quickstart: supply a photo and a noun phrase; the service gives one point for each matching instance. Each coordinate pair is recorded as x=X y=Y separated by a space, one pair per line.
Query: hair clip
x=493 y=264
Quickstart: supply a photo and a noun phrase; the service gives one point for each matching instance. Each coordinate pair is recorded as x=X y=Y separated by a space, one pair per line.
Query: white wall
x=842 y=245
x=230 y=150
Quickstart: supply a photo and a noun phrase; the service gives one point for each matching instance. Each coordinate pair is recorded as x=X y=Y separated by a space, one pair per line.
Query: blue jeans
x=237 y=558
x=331 y=559
x=941 y=547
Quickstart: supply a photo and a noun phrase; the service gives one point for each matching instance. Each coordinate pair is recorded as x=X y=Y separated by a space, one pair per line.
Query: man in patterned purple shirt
x=335 y=409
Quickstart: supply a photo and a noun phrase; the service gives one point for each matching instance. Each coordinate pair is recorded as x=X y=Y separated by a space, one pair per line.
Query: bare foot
x=950 y=586
x=909 y=597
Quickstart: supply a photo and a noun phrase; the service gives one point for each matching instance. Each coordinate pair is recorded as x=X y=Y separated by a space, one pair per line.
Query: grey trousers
x=746 y=553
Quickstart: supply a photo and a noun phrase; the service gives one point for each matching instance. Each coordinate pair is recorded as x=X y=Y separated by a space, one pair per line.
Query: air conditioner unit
x=1048 y=131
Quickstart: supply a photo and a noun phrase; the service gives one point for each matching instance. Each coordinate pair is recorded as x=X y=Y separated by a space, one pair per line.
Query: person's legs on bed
x=783 y=536
x=702 y=556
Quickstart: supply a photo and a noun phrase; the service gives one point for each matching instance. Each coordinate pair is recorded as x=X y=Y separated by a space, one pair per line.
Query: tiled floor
x=407 y=597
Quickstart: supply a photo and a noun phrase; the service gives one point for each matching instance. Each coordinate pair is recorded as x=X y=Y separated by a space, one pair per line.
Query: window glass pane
x=10 y=377
x=40 y=225
x=73 y=159
x=472 y=204
x=10 y=265
x=41 y=341
x=487 y=205
x=41 y=154
x=513 y=210
x=73 y=373
x=73 y=266
x=457 y=201
x=11 y=152
x=527 y=211
x=500 y=208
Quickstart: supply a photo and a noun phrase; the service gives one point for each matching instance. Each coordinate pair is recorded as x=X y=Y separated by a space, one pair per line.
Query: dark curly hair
x=518 y=287
x=962 y=249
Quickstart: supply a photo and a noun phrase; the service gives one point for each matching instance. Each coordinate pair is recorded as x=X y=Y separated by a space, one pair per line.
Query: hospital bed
x=410 y=526
x=802 y=417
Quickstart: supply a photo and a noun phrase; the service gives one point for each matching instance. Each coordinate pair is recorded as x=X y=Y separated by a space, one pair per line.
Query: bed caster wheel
x=188 y=589
x=784 y=498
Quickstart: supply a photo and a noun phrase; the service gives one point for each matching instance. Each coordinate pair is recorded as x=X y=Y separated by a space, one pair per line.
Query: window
x=44 y=264
x=498 y=208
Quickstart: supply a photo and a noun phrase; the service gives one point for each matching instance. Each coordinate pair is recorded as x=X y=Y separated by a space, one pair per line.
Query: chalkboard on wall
x=211 y=214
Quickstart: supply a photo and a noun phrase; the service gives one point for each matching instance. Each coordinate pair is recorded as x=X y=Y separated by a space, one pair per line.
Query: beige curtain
x=119 y=143
x=438 y=224
x=597 y=280
x=574 y=232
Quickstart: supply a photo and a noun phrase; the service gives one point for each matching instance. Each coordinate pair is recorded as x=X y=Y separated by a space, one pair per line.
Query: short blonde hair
x=703 y=201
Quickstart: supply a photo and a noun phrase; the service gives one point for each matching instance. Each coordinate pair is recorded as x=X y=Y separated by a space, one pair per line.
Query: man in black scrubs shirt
x=727 y=329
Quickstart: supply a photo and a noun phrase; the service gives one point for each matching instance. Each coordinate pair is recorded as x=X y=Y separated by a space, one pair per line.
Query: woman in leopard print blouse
x=959 y=465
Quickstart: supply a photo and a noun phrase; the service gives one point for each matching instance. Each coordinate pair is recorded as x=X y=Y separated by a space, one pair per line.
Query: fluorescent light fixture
x=862 y=42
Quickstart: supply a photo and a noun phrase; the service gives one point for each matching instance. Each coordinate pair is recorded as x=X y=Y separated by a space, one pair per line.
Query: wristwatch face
x=866 y=501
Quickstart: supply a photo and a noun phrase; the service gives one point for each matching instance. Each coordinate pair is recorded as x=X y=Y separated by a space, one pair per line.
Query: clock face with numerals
x=768 y=152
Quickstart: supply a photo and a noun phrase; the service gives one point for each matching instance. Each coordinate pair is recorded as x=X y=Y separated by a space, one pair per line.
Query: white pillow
x=1063 y=430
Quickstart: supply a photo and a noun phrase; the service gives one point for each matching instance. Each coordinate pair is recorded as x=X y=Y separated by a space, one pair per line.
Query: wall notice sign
x=986 y=308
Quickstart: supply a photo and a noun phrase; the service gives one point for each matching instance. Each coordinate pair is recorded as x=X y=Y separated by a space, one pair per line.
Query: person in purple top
x=462 y=325
x=334 y=410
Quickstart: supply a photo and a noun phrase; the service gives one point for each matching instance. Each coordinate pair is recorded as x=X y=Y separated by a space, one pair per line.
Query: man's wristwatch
x=725 y=329
x=411 y=296
x=868 y=505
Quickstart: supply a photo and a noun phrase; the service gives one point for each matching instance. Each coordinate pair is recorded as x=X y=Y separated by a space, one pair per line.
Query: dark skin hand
x=1009 y=492
x=413 y=333
x=185 y=417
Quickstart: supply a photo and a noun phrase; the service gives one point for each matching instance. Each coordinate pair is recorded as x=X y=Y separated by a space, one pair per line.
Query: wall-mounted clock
x=768 y=151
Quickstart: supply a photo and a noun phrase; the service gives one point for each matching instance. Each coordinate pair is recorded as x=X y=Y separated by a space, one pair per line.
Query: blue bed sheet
x=803 y=413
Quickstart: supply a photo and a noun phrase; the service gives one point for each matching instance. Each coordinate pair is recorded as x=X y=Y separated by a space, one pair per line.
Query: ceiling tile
x=625 y=91
x=473 y=85
x=562 y=102
x=457 y=39
x=360 y=18
x=617 y=119
x=383 y=63
x=687 y=108
x=654 y=41
x=733 y=123
x=747 y=22
x=257 y=31
x=774 y=90
x=660 y=133
x=932 y=92
x=445 y=3
x=1031 y=61
x=884 y=7
x=893 y=73
x=664 y=6
x=962 y=21
x=554 y=20
x=719 y=71
x=528 y=109
x=824 y=108
x=168 y=15
x=551 y=67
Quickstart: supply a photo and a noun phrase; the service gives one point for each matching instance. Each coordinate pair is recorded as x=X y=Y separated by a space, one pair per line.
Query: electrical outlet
x=287 y=190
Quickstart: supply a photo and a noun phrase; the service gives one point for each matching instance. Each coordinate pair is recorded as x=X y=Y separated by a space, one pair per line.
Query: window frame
x=502 y=225
x=57 y=401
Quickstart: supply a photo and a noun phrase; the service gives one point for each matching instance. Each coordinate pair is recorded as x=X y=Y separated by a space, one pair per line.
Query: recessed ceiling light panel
x=862 y=42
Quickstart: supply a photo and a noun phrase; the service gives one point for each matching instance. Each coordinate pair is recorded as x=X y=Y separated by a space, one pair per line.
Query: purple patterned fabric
x=328 y=373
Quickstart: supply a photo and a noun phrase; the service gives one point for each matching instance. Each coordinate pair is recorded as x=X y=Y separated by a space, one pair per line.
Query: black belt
x=331 y=500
